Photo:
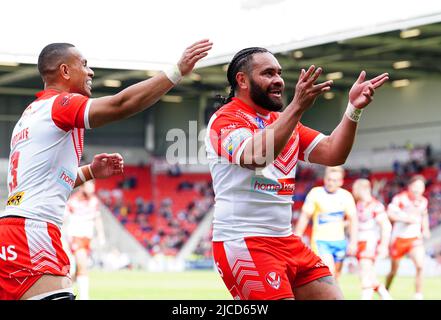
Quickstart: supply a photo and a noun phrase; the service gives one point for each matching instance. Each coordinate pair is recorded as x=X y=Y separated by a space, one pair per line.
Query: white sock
x=367 y=294
x=384 y=294
x=418 y=296
x=83 y=287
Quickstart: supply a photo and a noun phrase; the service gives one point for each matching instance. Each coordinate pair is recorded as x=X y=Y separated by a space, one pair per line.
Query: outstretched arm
x=103 y=166
x=142 y=95
x=334 y=149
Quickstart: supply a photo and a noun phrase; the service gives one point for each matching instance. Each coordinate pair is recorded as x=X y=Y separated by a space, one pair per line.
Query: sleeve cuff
x=86 y=114
x=312 y=145
x=236 y=158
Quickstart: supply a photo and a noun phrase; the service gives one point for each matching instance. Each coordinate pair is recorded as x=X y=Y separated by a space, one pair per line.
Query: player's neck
x=413 y=197
x=329 y=190
x=57 y=87
x=248 y=101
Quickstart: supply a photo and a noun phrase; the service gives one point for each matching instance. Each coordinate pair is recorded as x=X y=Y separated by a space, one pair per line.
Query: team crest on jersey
x=273 y=279
x=260 y=123
x=15 y=199
x=66 y=99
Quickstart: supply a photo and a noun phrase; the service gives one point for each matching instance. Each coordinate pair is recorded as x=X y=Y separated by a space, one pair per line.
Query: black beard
x=261 y=98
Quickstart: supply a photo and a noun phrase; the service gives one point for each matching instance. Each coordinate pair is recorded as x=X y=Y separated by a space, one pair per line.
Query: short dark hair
x=51 y=57
x=240 y=62
x=416 y=178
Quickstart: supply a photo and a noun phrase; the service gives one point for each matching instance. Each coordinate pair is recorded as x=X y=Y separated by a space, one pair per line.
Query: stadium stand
x=159 y=210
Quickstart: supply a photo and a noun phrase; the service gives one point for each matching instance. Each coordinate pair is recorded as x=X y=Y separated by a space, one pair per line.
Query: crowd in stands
x=160 y=211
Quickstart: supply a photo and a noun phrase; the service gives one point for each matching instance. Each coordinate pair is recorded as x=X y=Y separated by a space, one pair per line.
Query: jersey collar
x=250 y=109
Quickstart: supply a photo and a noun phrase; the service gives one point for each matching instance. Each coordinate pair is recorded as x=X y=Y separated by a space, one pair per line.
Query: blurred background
x=157 y=216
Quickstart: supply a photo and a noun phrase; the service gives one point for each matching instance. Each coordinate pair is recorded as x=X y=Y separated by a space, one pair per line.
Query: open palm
x=362 y=91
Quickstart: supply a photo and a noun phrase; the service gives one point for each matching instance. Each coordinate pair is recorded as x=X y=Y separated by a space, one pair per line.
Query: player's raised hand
x=105 y=165
x=306 y=90
x=362 y=91
x=193 y=54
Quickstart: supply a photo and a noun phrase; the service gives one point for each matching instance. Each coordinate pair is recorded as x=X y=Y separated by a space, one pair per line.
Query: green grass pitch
x=207 y=285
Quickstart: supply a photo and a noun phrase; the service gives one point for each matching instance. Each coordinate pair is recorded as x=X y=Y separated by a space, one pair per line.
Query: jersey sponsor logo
x=232 y=141
x=15 y=199
x=283 y=187
x=273 y=279
x=66 y=178
x=331 y=217
x=7 y=253
x=20 y=136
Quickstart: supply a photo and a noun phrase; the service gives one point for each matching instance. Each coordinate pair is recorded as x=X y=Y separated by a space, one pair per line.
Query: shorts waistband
x=12 y=220
x=20 y=221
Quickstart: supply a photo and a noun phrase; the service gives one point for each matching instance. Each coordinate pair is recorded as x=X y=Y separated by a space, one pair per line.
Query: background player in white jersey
x=46 y=148
x=374 y=230
x=253 y=150
x=330 y=207
x=409 y=215
x=83 y=224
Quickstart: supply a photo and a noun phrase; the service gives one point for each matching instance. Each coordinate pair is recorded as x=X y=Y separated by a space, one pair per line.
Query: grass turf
x=207 y=285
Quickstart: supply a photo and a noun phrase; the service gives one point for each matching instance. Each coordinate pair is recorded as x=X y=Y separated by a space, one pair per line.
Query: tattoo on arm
x=328 y=279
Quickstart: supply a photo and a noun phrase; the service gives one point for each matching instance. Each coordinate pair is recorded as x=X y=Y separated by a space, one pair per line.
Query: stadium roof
x=127 y=41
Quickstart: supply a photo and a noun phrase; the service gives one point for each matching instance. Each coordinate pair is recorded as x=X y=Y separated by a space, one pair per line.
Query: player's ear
x=64 y=71
x=242 y=80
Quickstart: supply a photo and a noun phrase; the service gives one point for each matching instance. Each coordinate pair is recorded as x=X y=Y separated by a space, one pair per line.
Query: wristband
x=81 y=175
x=174 y=74
x=90 y=171
x=353 y=113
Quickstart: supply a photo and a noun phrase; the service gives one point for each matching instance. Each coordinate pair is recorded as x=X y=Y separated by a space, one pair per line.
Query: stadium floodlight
x=410 y=33
x=151 y=73
x=400 y=83
x=173 y=99
x=111 y=83
x=195 y=77
x=402 y=64
x=334 y=75
x=298 y=54
x=329 y=95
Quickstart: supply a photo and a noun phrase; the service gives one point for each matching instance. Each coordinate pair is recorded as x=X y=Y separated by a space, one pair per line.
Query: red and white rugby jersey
x=46 y=148
x=81 y=215
x=367 y=214
x=252 y=202
x=403 y=205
